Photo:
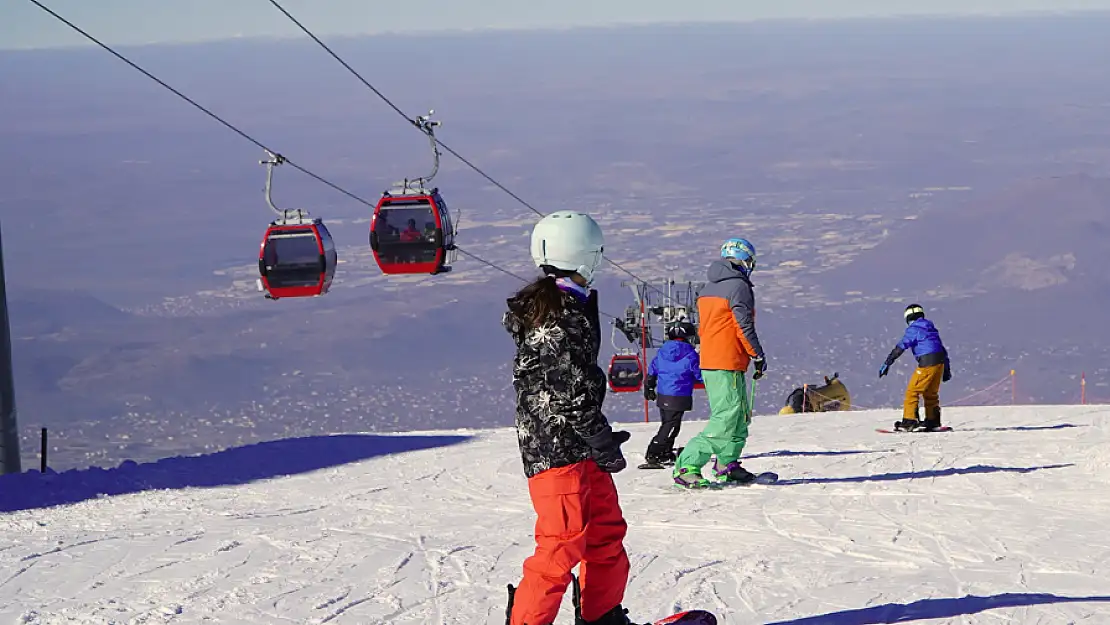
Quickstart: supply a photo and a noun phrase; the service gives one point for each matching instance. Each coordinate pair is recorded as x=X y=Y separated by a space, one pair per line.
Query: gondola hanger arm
x=273 y=160
x=426 y=125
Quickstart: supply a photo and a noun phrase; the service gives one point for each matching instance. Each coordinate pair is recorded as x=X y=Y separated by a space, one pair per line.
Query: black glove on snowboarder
x=760 y=366
x=947 y=373
x=606 y=446
x=649 y=388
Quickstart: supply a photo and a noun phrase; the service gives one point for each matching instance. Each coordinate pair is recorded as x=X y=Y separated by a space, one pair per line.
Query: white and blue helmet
x=741 y=252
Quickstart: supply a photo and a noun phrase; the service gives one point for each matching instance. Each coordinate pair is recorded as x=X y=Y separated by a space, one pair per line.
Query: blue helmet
x=741 y=252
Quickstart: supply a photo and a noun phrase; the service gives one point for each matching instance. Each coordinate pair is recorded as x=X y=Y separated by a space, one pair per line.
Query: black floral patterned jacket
x=559 y=386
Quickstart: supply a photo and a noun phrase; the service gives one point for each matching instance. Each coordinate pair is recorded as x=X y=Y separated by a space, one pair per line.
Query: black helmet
x=681 y=330
x=913 y=313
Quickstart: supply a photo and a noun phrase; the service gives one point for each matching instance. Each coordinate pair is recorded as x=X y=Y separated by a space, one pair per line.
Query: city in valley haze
x=962 y=162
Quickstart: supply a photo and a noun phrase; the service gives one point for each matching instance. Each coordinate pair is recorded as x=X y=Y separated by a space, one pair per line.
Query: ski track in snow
x=858 y=521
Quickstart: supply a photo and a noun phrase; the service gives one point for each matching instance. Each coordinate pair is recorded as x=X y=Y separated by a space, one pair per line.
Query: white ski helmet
x=568 y=241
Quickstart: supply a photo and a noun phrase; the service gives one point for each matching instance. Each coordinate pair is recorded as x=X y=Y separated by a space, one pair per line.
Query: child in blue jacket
x=675 y=369
x=933 y=367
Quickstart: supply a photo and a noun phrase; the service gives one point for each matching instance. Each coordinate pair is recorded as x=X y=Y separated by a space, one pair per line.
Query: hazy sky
x=23 y=25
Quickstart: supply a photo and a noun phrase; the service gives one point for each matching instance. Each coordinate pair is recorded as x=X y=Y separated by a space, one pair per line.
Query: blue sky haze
x=130 y=22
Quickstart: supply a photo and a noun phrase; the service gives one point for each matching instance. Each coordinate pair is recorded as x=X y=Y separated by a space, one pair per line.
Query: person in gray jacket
x=729 y=344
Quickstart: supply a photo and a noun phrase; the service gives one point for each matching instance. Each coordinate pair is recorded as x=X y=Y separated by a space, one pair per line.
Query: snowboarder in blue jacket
x=671 y=377
x=933 y=368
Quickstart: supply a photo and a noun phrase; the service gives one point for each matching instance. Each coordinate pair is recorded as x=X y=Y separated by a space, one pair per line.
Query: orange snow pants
x=579 y=522
x=924 y=383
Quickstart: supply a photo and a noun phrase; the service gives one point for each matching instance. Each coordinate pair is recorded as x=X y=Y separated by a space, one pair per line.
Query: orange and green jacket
x=726 y=319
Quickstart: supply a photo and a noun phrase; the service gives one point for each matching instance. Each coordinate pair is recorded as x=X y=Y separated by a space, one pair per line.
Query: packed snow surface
x=1004 y=520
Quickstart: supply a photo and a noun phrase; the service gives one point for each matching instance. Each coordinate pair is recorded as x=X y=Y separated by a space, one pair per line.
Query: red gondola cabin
x=626 y=374
x=412 y=233
x=297 y=258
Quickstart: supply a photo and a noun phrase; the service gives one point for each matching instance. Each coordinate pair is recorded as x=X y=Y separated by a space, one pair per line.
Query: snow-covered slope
x=1002 y=521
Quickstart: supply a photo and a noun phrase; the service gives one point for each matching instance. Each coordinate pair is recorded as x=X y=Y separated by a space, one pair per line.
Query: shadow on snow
x=935 y=608
x=770 y=454
x=910 y=475
x=1026 y=428
x=237 y=465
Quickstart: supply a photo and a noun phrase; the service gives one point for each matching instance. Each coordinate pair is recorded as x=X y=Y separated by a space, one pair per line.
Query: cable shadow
x=1026 y=428
x=935 y=608
x=237 y=465
x=771 y=454
x=910 y=475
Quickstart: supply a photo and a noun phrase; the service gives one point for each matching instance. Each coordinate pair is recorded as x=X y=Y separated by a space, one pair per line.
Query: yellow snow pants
x=925 y=384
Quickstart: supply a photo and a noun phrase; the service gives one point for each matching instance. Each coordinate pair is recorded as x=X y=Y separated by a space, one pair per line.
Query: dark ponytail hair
x=541 y=301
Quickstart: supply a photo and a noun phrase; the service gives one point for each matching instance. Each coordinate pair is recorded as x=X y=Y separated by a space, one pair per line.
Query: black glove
x=947 y=374
x=760 y=366
x=606 y=446
x=649 y=388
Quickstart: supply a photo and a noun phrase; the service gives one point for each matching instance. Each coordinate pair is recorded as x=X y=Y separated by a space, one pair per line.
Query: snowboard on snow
x=689 y=617
x=657 y=465
x=943 y=428
x=765 y=478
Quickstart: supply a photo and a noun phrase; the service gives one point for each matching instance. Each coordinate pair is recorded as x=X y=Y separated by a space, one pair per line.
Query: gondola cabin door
x=626 y=373
x=297 y=258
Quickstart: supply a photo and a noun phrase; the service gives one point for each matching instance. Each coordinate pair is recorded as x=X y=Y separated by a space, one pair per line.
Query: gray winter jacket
x=726 y=319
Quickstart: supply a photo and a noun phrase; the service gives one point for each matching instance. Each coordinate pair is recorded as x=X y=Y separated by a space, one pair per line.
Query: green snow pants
x=727 y=430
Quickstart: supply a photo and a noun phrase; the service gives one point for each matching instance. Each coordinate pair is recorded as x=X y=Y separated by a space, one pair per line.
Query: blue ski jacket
x=676 y=367
x=923 y=339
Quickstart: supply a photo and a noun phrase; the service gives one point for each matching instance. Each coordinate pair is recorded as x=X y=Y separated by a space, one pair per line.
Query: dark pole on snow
x=9 y=432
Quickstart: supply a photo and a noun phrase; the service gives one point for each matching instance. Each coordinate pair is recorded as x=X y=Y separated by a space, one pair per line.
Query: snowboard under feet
x=765 y=478
x=678 y=452
x=689 y=617
x=661 y=465
x=943 y=428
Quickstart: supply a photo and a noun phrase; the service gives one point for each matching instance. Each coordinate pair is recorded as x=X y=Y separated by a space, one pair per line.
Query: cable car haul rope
x=411 y=232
